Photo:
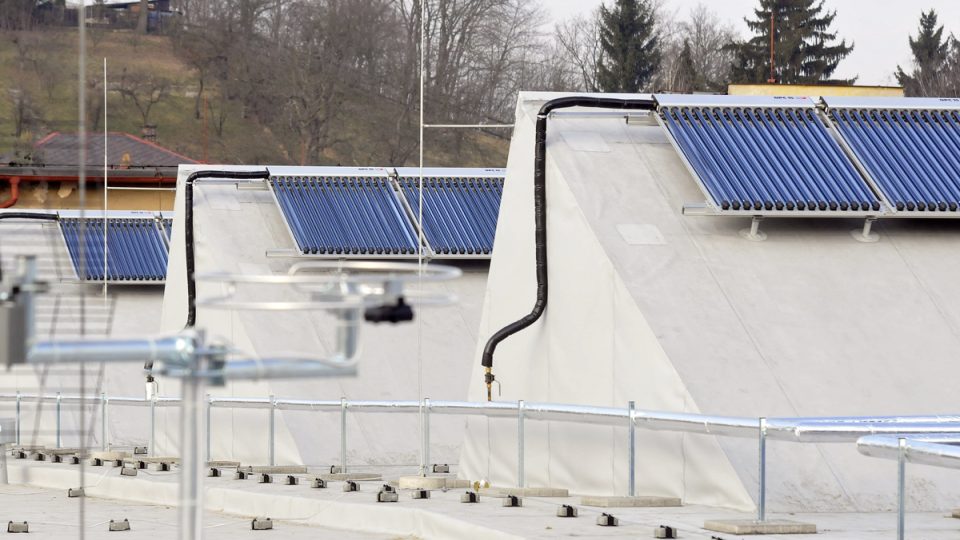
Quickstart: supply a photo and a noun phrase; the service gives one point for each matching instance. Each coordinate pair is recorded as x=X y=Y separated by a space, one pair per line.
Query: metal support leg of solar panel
x=754 y=233
x=866 y=234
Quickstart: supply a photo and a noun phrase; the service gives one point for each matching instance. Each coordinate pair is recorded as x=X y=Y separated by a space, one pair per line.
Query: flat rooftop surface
x=36 y=494
x=51 y=514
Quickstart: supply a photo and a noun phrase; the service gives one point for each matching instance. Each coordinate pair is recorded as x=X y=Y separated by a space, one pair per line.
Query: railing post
x=632 y=450
x=901 y=487
x=762 y=496
x=59 y=400
x=343 y=435
x=426 y=435
x=273 y=430
x=103 y=422
x=153 y=426
x=209 y=426
x=18 y=418
x=520 y=444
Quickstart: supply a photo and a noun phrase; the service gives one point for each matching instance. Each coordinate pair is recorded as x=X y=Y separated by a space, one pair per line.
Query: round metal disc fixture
x=333 y=285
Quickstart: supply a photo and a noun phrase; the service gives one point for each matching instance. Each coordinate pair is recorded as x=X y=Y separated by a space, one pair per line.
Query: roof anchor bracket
x=754 y=234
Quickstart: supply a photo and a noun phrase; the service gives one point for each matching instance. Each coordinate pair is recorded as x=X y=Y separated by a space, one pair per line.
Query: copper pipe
x=14 y=193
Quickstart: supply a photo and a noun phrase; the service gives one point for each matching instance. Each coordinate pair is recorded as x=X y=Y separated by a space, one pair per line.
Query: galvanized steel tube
x=762 y=496
x=631 y=450
x=901 y=487
x=343 y=435
x=520 y=445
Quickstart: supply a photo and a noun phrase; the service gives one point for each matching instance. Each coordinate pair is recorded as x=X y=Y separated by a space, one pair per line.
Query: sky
x=878 y=28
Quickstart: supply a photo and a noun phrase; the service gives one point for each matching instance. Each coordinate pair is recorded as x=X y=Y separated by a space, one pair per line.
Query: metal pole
x=58 y=419
x=901 y=487
x=343 y=435
x=273 y=430
x=153 y=426
x=209 y=426
x=632 y=450
x=103 y=422
x=191 y=479
x=520 y=444
x=762 y=497
x=426 y=435
x=18 y=418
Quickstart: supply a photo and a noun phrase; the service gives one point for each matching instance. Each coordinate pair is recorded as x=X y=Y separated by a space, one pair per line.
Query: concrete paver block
x=274 y=469
x=351 y=476
x=643 y=501
x=749 y=526
x=528 y=492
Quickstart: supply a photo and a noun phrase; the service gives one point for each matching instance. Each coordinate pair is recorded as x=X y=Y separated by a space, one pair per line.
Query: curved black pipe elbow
x=26 y=215
x=540 y=212
x=188 y=229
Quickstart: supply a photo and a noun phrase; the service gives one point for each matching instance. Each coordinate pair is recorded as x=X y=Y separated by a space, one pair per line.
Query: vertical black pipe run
x=188 y=235
x=540 y=213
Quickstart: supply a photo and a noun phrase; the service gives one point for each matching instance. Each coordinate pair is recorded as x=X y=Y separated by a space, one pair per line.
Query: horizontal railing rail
x=921 y=438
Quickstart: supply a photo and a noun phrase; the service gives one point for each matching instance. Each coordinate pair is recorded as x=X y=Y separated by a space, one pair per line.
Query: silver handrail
x=875 y=435
x=937 y=449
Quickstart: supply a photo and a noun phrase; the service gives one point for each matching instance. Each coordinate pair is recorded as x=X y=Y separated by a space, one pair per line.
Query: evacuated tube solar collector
x=763 y=155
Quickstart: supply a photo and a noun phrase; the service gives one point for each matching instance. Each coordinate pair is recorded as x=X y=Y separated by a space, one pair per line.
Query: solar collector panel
x=768 y=156
x=344 y=215
x=135 y=250
x=459 y=213
x=909 y=147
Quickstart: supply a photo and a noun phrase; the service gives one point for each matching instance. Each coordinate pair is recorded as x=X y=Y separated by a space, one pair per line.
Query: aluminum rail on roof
x=765 y=156
x=136 y=250
x=460 y=208
x=909 y=147
x=799 y=429
x=937 y=449
x=346 y=215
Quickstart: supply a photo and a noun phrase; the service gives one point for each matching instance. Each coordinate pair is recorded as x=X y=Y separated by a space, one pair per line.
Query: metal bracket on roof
x=252 y=186
x=642 y=119
x=698 y=209
x=754 y=234
x=866 y=235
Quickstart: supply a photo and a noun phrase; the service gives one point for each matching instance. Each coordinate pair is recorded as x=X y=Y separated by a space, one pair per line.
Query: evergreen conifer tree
x=806 y=50
x=930 y=54
x=630 y=47
x=688 y=80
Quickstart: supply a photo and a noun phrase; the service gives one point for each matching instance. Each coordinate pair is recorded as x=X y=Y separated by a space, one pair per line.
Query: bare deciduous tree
x=144 y=90
x=706 y=66
x=579 y=39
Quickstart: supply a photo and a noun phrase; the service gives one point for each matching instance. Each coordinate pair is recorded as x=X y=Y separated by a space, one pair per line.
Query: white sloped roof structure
x=683 y=313
x=127 y=311
x=235 y=230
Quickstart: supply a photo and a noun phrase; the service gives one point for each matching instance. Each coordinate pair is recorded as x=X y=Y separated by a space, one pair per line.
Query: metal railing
x=933 y=428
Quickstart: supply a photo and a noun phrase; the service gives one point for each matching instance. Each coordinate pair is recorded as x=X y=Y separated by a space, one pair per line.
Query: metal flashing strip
x=707 y=100
x=911 y=154
x=136 y=250
x=332 y=171
x=344 y=216
x=460 y=210
x=450 y=172
x=906 y=103
x=766 y=160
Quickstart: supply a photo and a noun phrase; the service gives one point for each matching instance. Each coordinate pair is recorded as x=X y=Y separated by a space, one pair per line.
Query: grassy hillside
x=40 y=69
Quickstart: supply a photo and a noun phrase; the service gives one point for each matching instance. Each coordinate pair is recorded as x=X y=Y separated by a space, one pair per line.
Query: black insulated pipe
x=26 y=215
x=540 y=213
x=188 y=217
x=188 y=232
